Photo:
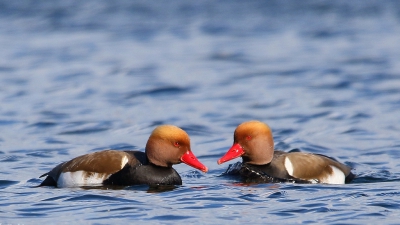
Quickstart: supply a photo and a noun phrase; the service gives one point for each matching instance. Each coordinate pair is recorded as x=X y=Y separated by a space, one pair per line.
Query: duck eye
x=176 y=144
x=248 y=138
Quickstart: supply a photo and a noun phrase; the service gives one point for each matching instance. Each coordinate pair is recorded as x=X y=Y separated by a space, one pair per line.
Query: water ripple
x=7 y=183
x=161 y=91
x=86 y=128
x=102 y=198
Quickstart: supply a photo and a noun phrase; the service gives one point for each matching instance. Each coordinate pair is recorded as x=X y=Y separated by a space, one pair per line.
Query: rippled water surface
x=81 y=76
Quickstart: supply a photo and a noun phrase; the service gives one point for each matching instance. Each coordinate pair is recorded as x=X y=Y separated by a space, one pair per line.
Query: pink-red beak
x=190 y=159
x=235 y=151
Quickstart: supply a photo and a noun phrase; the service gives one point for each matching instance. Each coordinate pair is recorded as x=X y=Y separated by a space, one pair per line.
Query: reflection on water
x=78 y=77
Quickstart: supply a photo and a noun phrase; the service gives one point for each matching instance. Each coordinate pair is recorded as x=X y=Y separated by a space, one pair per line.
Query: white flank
x=289 y=166
x=314 y=181
x=337 y=177
x=80 y=178
x=124 y=161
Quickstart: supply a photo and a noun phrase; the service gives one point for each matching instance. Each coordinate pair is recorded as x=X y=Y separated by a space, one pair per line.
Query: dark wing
x=52 y=176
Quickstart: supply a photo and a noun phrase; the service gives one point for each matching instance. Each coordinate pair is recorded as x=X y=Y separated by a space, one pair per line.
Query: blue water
x=81 y=76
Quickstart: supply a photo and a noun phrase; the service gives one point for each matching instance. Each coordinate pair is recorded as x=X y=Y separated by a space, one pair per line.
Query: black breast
x=143 y=172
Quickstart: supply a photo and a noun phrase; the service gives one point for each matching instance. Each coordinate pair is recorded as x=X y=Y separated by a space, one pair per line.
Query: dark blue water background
x=81 y=76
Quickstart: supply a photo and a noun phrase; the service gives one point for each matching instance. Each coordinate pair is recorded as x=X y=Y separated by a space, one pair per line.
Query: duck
x=254 y=143
x=167 y=145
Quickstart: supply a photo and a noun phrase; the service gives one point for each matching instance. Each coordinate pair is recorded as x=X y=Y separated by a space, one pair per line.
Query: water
x=77 y=77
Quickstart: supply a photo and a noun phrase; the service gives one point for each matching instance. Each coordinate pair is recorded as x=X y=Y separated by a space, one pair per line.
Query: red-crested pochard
x=167 y=145
x=253 y=141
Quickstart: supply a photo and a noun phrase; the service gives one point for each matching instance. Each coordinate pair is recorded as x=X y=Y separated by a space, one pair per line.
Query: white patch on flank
x=289 y=166
x=124 y=161
x=314 y=181
x=337 y=177
x=80 y=178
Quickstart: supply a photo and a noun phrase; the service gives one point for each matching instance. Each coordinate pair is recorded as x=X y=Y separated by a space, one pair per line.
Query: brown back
x=108 y=161
x=311 y=166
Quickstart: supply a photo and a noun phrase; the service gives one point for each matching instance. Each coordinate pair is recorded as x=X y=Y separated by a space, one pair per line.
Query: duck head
x=252 y=141
x=169 y=145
